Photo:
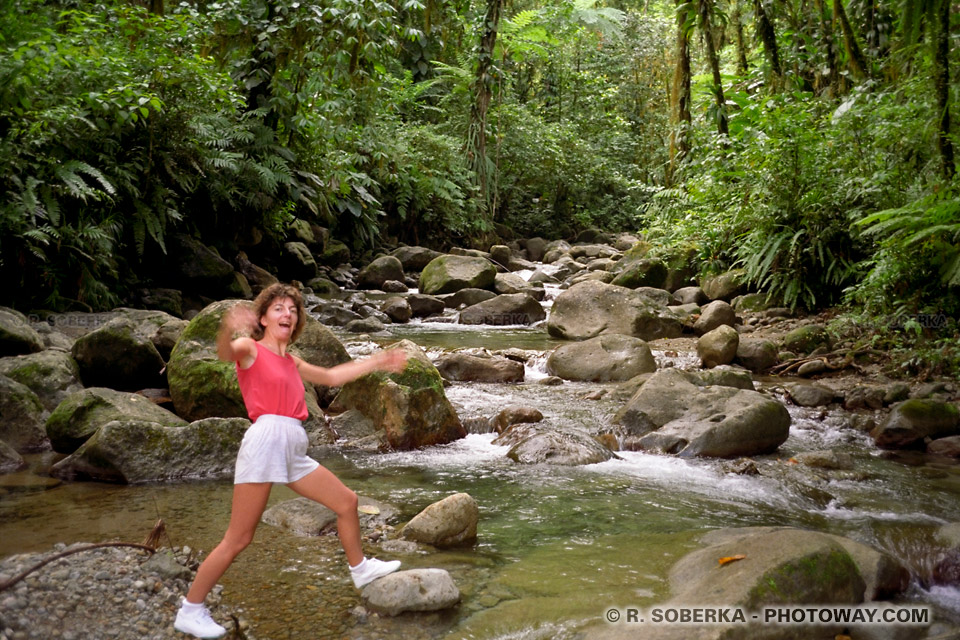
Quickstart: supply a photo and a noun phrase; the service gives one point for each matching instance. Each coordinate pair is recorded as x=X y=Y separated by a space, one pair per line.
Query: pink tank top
x=272 y=385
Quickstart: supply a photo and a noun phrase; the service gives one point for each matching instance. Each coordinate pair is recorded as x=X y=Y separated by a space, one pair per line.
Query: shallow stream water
x=557 y=545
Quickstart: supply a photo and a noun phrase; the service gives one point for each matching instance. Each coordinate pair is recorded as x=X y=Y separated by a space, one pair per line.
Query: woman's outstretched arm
x=230 y=349
x=392 y=361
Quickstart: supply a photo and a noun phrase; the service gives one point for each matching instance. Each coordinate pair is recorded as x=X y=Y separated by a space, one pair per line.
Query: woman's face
x=280 y=319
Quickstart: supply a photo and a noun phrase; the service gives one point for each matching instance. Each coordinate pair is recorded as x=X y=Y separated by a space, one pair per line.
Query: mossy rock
x=450 y=273
x=334 y=253
x=83 y=413
x=724 y=286
x=645 y=272
x=117 y=356
x=410 y=407
x=21 y=424
x=52 y=375
x=805 y=339
x=17 y=337
x=912 y=421
x=324 y=287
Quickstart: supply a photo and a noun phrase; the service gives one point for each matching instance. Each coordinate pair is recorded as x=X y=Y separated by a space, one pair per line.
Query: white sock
x=358 y=566
x=191 y=607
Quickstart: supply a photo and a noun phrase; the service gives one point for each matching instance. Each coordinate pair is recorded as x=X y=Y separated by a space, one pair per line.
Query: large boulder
x=414 y=258
x=718 y=346
x=467 y=298
x=52 y=375
x=133 y=451
x=605 y=358
x=202 y=385
x=676 y=412
x=643 y=272
x=591 y=308
x=334 y=253
x=450 y=273
x=911 y=421
x=508 y=309
x=512 y=283
x=410 y=406
x=757 y=354
x=317 y=345
x=297 y=261
x=196 y=267
x=17 y=337
x=379 y=271
x=21 y=424
x=550 y=445
x=448 y=523
x=805 y=339
x=413 y=590
x=117 y=356
x=713 y=315
x=723 y=286
x=84 y=412
x=467 y=367
x=397 y=309
x=423 y=305
x=536 y=248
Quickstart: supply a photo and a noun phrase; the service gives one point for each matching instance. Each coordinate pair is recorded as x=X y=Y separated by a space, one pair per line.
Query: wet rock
x=398 y=309
x=305 y=517
x=323 y=286
x=826 y=459
x=805 y=339
x=410 y=406
x=602 y=359
x=467 y=297
x=10 y=460
x=947 y=569
x=713 y=315
x=21 y=426
x=718 y=346
x=379 y=271
x=365 y=325
x=742 y=467
x=691 y=295
x=83 y=413
x=465 y=367
x=756 y=354
x=414 y=590
x=913 y=420
x=550 y=381
x=450 y=273
x=541 y=276
x=642 y=272
x=673 y=413
x=334 y=314
x=895 y=392
x=589 y=309
x=422 y=305
x=812 y=368
x=52 y=375
x=536 y=248
x=515 y=415
x=132 y=451
x=352 y=425
x=414 y=258
x=723 y=286
x=810 y=395
x=394 y=286
x=17 y=337
x=450 y=522
x=864 y=397
x=555 y=446
x=508 y=309
x=116 y=356
x=948 y=447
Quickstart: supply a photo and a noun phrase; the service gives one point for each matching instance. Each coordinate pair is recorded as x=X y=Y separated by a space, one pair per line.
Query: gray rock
x=515 y=415
x=805 y=339
x=948 y=447
x=536 y=248
x=305 y=517
x=422 y=305
x=379 y=271
x=913 y=420
x=465 y=367
x=334 y=314
x=468 y=297
x=507 y=309
x=691 y=295
x=604 y=358
x=398 y=309
x=352 y=425
x=756 y=354
x=52 y=375
x=643 y=272
x=115 y=356
x=17 y=337
x=512 y=283
x=810 y=395
x=410 y=406
x=298 y=262
x=415 y=258
x=166 y=566
x=10 y=460
x=414 y=590
x=864 y=397
x=589 y=309
x=718 y=346
x=826 y=459
x=394 y=286
x=673 y=413
x=451 y=273
x=133 y=451
x=448 y=523
x=83 y=413
x=501 y=255
x=21 y=426
x=197 y=267
x=542 y=445
x=365 y=325
x=811 y=368
x=724 y=286
x=258 y=277
x=713 y=315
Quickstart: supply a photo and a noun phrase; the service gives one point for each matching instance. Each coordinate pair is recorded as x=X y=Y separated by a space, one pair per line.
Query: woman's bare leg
x=249 y=501
x=322 y=486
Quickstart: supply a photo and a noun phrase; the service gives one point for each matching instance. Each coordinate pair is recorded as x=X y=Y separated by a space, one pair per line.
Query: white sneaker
x=371 y=569
x=198 y=624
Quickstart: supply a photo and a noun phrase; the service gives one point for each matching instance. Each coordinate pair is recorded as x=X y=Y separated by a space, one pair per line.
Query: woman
x=274 y=447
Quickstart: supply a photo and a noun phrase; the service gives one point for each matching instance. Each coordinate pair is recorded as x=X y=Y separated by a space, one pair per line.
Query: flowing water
x=557 y=545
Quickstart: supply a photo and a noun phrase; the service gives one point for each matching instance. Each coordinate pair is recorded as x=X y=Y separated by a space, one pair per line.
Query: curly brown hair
x=263 y=301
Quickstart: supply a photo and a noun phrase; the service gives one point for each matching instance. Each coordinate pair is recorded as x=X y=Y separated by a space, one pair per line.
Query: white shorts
x=274 y=449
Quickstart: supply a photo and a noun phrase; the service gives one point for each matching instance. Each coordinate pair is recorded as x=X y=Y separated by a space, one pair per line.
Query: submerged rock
x=543 y=445
x=448 y=523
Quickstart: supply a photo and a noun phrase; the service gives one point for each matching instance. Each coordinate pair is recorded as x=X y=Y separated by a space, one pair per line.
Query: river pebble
x=101 y=593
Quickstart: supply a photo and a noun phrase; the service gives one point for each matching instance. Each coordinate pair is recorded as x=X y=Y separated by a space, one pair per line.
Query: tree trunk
x=738 y=35
x=769 y=38
x=680 y=96
x=156 y=7
x=855 y=59
x=826 y=28
x=705 y=8
x=476 y=145
x=942 y=81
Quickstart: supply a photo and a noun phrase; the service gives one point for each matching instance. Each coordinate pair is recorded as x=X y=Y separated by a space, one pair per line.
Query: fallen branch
x=846 y=361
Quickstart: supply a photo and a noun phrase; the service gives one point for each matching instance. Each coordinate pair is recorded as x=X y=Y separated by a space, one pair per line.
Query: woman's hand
x=239 y=318
x=392 y=361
